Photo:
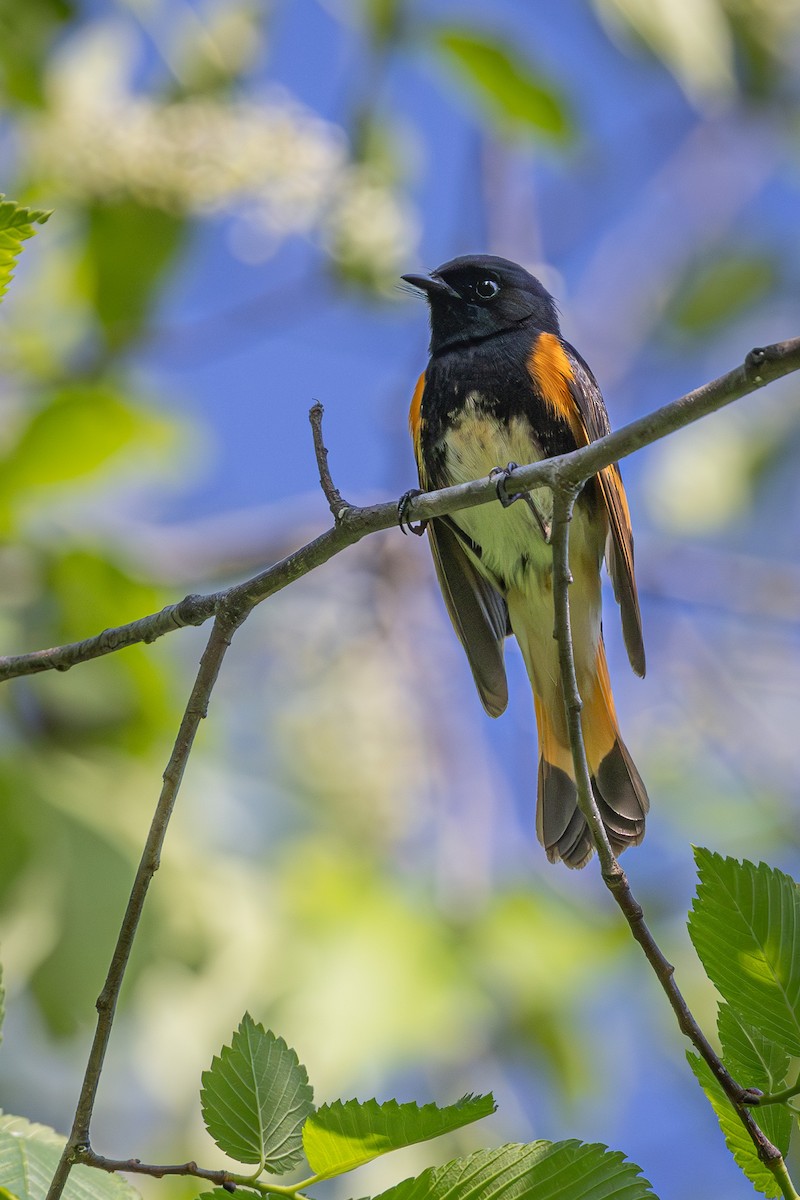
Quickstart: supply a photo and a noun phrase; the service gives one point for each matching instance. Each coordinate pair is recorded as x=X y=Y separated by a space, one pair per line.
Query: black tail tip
x=621 y=800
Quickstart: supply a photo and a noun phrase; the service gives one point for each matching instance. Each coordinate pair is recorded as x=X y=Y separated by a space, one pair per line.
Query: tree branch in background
x=762 y=366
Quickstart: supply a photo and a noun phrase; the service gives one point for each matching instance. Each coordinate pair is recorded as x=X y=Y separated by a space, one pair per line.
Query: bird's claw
x=403 y=503
x=500 y=476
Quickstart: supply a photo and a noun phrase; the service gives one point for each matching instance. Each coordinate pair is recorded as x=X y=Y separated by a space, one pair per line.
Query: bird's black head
x=479 y=295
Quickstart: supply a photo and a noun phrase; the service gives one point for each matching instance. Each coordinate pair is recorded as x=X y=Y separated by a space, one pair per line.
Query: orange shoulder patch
x=415 y=413
x=551 y=372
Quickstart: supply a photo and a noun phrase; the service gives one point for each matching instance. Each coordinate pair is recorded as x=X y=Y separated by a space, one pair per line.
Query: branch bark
x=332 y=494
x=134 y=1166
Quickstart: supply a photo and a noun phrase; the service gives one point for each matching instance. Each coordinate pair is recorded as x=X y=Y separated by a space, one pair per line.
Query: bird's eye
x=486 y=289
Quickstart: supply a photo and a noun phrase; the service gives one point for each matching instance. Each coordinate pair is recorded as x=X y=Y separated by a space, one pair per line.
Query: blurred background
x=237 y=185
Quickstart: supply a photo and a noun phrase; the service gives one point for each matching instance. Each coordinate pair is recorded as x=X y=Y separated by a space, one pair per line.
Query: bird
x=502 y=386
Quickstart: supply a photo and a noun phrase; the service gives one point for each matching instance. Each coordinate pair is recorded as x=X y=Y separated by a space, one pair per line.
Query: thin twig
x=762 y=366
x=614 y=877
x=332 y=494
x=229 y=1180
x=77 y=1145
x=192 y=610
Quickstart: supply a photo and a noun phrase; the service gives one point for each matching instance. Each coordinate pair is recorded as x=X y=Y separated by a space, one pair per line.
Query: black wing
x=619 y=546
x=477 y=610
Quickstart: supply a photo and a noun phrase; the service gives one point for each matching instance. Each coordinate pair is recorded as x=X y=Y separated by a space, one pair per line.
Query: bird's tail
x=617 y=785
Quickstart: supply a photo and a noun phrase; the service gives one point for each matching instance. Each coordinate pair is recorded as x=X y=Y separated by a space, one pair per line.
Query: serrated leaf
x=339 y=1137
x=745 y=926
x=29 y=1155
x=736 y=1137
x=16 y=225
x=542 y=1170
x=255 y=1099
x=502 y=80
x=755 y=1061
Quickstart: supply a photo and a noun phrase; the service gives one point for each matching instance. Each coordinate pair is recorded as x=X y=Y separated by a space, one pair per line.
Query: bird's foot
x=500 y=476
x=402 y=513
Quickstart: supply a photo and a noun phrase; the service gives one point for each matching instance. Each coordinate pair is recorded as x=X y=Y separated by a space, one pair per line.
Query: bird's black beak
x=432 y=285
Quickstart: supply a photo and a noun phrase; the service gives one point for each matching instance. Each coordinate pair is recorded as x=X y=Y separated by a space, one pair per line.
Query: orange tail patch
x=618 y=789
x=599 y=718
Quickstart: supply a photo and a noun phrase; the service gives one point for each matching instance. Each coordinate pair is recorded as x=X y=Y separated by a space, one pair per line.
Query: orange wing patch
x=552 y=374
x=553 y=377
x=415 y=415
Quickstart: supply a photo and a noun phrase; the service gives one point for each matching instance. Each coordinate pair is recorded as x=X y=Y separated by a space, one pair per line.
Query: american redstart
x=503 y=387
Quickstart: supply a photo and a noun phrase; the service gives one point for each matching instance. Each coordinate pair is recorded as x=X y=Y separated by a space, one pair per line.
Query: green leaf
x=736 y=1137
x=2 y=1002
x=29 y=1155
x=255 y=1099
x=505 y=83
x=539 y=1171
x=755 y=1061
x=339 y=1137
x=16 y=225
x=745 y=926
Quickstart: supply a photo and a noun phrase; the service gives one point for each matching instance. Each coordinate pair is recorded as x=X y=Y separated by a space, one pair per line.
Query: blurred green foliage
x=27 y=33
x=128 y=250
x=717 y=292
x=509 y=91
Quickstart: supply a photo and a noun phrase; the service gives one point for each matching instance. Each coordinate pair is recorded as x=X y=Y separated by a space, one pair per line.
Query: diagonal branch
x=614 y=877
x=762 y=366
x=192 y=610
